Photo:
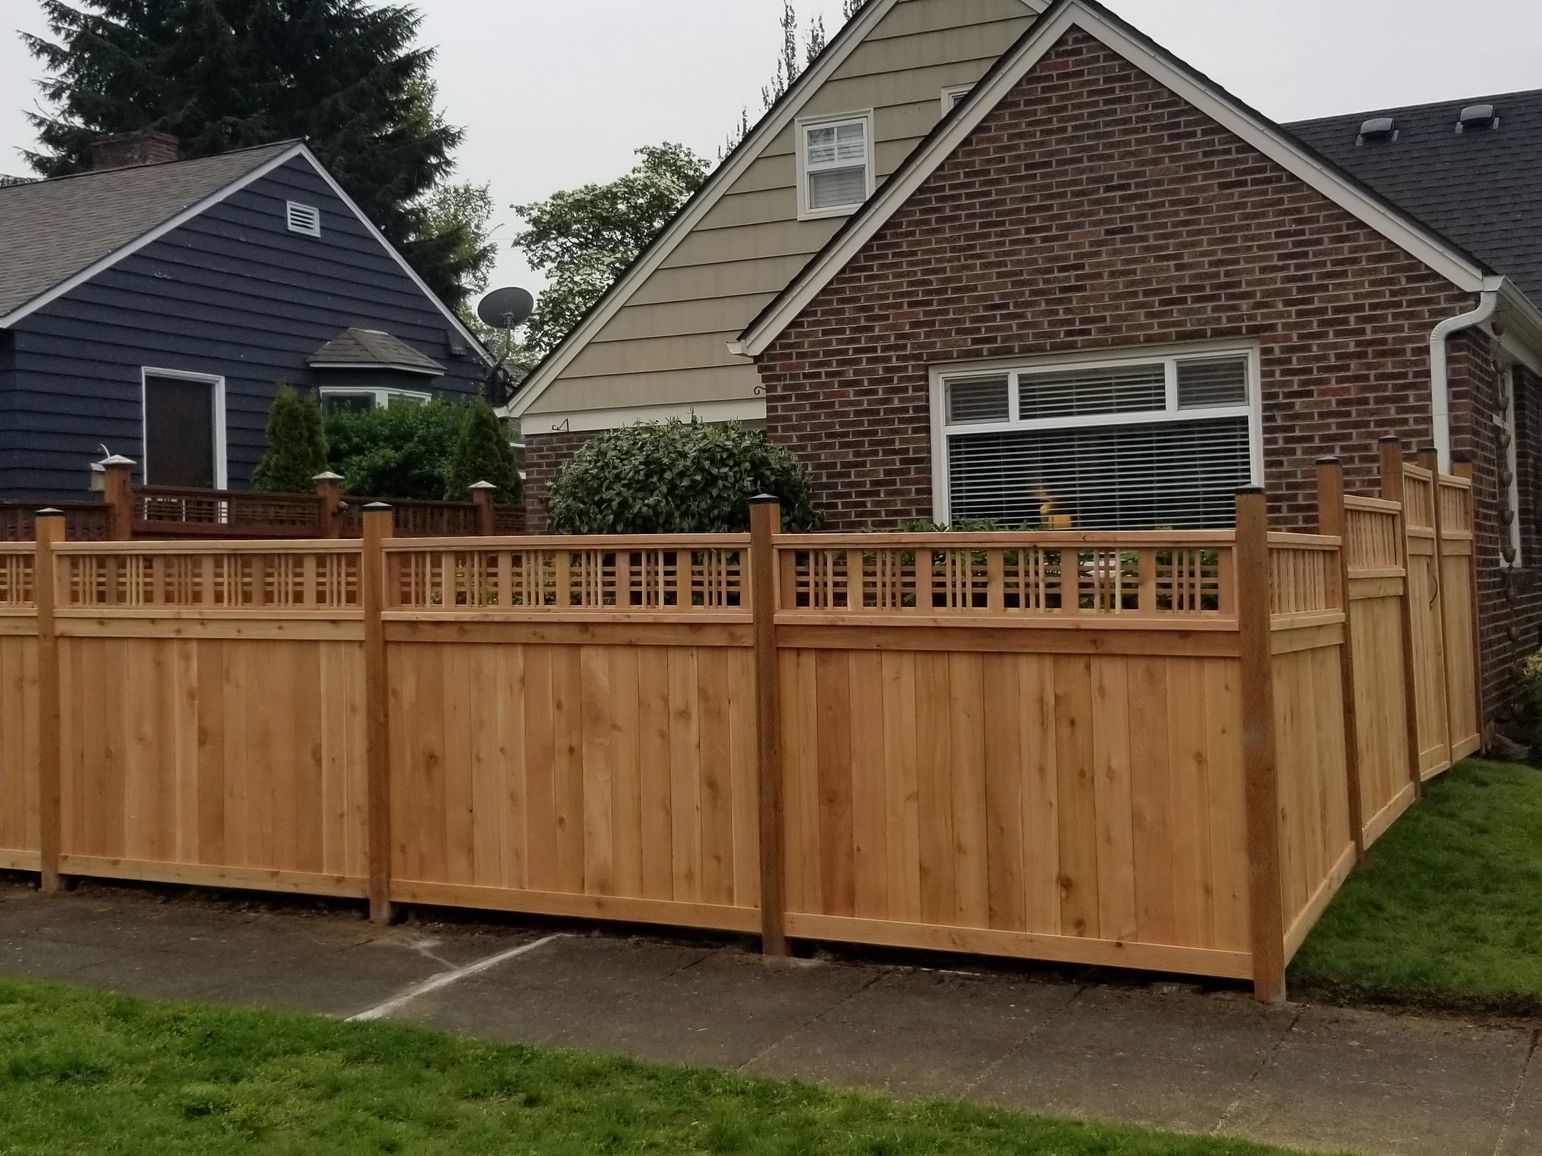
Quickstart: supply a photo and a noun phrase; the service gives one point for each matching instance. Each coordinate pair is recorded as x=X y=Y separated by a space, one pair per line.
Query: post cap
x=327 y=476
x=1388 y=439
x=49 y=512
x=1329 y=460
x=764 y=499
x=377 y=506
x=116 y=460
x=1428 y=450
x=1245 y=490
x=475 y=486
x=1461 y=457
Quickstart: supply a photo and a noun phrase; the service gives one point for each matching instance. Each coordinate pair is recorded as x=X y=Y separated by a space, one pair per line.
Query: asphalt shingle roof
x=372 y=347
x=1481 y=189
x=52 y=230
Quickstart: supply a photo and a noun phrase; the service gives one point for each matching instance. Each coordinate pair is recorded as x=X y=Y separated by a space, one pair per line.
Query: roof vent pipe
x=1476 y=118
x=1377 y=128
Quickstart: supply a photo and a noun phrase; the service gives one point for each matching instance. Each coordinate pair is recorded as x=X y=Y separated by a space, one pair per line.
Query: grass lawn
x=88 y=1073
x=1447 y=908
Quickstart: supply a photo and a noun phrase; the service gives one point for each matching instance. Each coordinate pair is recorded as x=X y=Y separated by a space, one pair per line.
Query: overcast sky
x=555 y=93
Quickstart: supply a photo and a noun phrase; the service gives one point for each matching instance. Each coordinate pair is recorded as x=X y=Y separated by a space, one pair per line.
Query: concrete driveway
x=1165 y=1055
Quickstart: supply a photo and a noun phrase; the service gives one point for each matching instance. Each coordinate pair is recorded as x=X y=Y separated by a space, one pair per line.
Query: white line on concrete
x=446 y=978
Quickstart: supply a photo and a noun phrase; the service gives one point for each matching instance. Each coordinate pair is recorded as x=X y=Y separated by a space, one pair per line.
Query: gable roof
x=117 y=212
x=1443 y=256
x=777 y=118
x=372 y=349
x=52 y=230
x=1482 y=188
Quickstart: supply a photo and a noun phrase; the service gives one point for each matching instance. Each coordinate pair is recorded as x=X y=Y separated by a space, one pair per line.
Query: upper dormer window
x=835 y=162
x=955 y=96
x=304 y=219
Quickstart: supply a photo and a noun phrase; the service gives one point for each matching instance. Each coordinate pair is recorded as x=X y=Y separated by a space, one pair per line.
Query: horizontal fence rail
x=1156 y=750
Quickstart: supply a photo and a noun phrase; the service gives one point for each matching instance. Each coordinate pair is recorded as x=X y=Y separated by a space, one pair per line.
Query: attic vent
x=1477 y=117
x=1378 y=128
x=304 y=219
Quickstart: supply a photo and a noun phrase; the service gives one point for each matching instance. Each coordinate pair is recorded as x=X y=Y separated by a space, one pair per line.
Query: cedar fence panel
x=1157 y=750
x=1459 y=619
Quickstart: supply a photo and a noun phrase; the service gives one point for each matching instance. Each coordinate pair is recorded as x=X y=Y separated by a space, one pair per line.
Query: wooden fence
x=128 y=512
x=1154 y=750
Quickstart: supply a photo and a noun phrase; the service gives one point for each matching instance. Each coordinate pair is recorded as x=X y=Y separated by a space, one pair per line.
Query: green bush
x=677 y=478
x=296 y=448
x=401 y=451
x=482 y=454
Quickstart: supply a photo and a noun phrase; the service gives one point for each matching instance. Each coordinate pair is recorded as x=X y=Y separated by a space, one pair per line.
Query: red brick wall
x=1094 y=210
x=544 y=455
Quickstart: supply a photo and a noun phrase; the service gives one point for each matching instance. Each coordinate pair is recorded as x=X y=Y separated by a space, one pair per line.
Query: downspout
x=1440 y=381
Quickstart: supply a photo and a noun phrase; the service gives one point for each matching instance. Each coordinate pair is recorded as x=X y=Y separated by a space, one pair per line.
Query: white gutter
x=1440 y=381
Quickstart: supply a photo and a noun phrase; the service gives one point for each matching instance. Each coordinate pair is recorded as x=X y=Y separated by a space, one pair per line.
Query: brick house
x=1104 y=288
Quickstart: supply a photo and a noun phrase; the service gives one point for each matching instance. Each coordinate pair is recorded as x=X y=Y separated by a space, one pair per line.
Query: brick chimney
x=126 y=150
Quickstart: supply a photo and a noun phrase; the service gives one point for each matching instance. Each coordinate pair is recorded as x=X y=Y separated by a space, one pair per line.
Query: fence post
x=329 y=501
x=49 y=530
x=1260 y=768
x=118 y=493
x=1333 y=521
x=1429 y=458
x=1461 y=467
x=765 y=524
x=1393 y=490
x=377 y=737
x=482 y=496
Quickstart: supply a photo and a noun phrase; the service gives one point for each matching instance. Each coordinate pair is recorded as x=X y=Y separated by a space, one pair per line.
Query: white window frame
x=804 y=127
x=217 y=383
x=1016 y=370
x=306 y=212
x=953 y=94
x=382 y=394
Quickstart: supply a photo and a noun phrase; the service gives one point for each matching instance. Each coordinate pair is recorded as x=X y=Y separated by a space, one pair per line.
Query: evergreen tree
x=345 y=75
x=483 y=454
x=296 y=444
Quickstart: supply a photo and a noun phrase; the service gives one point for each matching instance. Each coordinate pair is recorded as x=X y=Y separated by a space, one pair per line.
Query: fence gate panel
x=1429 y=645
x=1459 y=615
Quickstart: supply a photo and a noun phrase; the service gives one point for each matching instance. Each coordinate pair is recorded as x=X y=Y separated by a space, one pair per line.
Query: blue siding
x=230 y=293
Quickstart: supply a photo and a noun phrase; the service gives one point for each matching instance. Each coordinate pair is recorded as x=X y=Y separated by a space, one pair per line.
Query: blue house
x=152 y=306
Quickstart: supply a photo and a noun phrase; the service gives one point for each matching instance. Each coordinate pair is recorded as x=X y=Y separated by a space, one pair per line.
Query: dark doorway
x=179 y=432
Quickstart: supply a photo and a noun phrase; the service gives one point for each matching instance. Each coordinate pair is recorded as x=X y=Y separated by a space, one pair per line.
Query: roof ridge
x=1487 y=98
x=62 y=177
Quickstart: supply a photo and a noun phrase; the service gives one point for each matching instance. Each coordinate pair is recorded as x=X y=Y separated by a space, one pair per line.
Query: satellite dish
x=506 y=308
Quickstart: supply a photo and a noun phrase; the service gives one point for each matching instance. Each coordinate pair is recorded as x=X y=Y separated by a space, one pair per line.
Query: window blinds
x=835 y=160
x=1124 y=446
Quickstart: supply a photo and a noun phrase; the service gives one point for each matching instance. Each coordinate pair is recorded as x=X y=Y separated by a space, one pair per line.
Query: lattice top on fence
x=622 y=574
x=1419 y=499
x=18 y=565
x=296 y=577
x=224 y=512
x=1371 y=529
x=1153 y=574
x=1304 y=574
x=1455 y=507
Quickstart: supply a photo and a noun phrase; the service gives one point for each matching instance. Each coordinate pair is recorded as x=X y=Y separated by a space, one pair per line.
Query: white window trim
x=941 y=375
x=221 y=465
x=311 y=211
x=381 y=394
x=804 y=125
x=952 y=93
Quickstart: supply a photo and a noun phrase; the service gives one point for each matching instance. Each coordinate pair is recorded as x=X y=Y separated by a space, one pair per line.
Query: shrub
x=296 y=449
x=401 y=451
x=677 y=478
x=482 y=454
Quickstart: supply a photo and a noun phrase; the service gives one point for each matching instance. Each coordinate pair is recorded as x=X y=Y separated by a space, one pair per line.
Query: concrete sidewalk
x=1307 y=1077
